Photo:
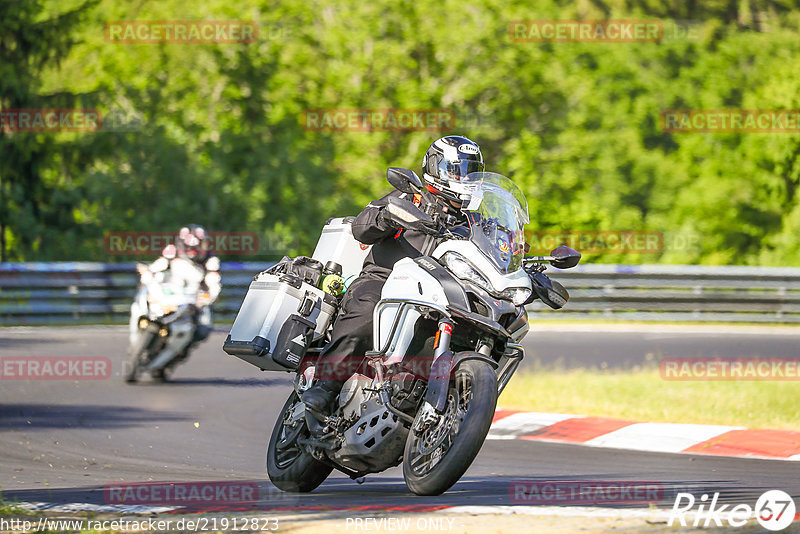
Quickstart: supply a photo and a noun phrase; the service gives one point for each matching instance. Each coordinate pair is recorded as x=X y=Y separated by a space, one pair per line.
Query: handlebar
x=561 y=257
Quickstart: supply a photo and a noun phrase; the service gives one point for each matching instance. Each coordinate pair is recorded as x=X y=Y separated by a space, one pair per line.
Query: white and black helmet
x=447 y=162
x=191 y=243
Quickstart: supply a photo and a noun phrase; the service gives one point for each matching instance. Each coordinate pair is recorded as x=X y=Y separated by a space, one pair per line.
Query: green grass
x=642 y=395
x=11 y=508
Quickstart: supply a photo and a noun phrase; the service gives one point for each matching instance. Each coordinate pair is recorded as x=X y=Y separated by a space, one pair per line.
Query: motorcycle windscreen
x=497 y=212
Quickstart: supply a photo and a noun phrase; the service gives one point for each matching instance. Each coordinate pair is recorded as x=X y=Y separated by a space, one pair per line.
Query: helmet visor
x=459 y=169
x=192 y=243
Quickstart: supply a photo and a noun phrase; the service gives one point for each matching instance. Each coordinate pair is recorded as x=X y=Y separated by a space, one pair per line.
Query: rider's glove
x=385 y=219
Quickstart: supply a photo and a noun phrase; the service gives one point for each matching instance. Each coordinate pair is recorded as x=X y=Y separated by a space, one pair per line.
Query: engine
x=374 y=438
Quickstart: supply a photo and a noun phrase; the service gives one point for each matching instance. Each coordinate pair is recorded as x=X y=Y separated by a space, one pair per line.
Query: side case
x=293 y=341
x=336 y=243
x=275 y=311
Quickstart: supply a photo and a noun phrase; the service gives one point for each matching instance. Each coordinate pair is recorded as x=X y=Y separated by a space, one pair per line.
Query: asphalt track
x=63 y=441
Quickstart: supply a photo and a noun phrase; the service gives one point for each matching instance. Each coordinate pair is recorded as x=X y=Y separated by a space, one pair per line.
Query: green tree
x=221 y=139
x=37 y=187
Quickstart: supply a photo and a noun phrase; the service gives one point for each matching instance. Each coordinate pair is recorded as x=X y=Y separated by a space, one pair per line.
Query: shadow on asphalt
x=11 y=342
x=225 y=382
x=46 y=416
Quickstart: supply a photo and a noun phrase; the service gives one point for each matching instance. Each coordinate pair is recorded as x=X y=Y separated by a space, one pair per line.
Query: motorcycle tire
x=289 y=466
x=135 y=356
x=463 y=428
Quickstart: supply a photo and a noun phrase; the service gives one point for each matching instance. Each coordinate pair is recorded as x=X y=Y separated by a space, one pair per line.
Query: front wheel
x=159 y=376
x=136 y=354
x=437 y=457
x=289 y=466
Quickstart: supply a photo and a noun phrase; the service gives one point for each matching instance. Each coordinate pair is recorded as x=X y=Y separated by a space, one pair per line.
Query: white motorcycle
x=446 y=335
x=162 y=325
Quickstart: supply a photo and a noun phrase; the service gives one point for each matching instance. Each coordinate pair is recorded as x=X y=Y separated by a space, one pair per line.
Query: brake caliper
x=426 y=418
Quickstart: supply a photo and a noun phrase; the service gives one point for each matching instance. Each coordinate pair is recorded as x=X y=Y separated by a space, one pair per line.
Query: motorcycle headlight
x=465 y=271
x=517 y=295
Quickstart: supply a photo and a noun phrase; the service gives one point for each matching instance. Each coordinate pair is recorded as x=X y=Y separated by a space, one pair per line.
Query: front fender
x=442 y=370
x=467 y=355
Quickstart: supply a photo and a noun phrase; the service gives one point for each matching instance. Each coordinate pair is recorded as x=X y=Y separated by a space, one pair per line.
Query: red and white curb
x=653 y=437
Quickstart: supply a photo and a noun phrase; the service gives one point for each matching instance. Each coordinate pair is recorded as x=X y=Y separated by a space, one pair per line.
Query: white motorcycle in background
x=163 y=324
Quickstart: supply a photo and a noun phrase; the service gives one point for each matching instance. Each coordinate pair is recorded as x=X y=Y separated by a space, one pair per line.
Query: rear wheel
x=437 y=457
x=289 y=466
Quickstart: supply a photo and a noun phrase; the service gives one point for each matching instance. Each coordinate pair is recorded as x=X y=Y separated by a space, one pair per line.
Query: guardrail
x=74 y=293
x=678 y=293
x=86 y=293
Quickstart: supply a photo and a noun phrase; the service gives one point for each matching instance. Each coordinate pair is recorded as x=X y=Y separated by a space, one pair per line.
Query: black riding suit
x=351 y=337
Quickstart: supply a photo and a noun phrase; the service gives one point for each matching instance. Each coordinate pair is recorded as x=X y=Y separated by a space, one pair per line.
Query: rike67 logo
x=775 y=510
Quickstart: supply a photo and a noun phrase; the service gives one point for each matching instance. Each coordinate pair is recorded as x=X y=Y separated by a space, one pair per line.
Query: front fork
x=439 y=380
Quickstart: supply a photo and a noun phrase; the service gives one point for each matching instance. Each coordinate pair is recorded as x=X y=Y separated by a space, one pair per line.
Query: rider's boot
x=319 y=397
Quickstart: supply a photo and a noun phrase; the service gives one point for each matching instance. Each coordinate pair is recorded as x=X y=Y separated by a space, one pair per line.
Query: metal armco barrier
x=86 y=293
x=75 y=293
x=678 y=293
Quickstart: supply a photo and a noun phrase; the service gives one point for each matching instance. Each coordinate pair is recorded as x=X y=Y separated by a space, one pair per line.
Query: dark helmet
x=192 y=243
x=447 y=162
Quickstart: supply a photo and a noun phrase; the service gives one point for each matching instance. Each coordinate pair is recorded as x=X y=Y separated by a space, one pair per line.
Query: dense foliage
x=214 y=133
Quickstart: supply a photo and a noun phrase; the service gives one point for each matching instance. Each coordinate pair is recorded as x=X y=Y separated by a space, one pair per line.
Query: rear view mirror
x=564 y=257
x=404 y=180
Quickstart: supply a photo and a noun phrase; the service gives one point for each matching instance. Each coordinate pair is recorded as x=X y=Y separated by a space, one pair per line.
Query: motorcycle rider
x=192 y=267
x=447 y=161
